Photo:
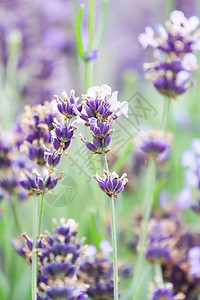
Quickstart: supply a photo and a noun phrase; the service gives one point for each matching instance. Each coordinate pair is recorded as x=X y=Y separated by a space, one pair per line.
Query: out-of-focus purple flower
x=154 y=144
x=191 y=161
x=173 y=46
x=97 y=272
x=184 y=199
x=111 y=184
x=164 y=198
x=37 y=124
x=158 y=254
x=59 y=256
x=178 y=36
x=194 y=261
x=163 y=294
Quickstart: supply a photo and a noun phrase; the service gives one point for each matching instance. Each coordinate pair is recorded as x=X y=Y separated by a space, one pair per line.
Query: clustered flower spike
x=154 y=144
x=100 y=109
x=37 y=184
x=111 y=184
x=37 y=124
x=12 y=164
x=68 y=106
x=96 y=271
x=173 y=44
x=182 y=271
x=59 y=257
x=62 y=136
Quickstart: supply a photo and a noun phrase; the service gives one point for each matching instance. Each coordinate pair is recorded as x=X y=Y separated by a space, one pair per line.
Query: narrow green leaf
x=79 y=32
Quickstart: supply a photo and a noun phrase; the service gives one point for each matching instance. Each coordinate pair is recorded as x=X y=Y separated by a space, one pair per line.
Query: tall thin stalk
x=149 y=189
x=34 y=257
x=40 y=214
x=165 y=113
x=15 y=214
x=114 y=237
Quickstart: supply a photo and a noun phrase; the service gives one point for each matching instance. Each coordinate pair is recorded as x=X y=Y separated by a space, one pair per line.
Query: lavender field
x=99 y=150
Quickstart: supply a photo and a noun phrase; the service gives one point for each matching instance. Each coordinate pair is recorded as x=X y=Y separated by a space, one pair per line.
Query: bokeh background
x=38 y=58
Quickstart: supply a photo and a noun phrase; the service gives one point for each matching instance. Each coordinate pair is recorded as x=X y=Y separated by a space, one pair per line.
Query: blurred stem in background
x=34 y=257
x=13 y=205
x=169 y=7
x=95 y=39
x=149 y=189
x=164 y=119
x=158 y=272
x=114 y=236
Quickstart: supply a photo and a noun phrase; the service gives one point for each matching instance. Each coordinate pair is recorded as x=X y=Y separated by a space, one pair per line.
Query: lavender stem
x=34 y=257
x=114 y=236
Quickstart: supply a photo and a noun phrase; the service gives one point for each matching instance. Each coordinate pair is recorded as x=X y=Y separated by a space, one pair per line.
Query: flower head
x=97 y=272
x=38 y=184
x=111 y=184
x=68 y=106
x=62 y=136
x=154 y=144
x=99 y=103
x=59 y=257
x=173 y=44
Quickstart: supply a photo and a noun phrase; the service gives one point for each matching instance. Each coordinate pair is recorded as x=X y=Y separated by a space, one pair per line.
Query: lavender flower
x=101 y=133
x=62 y=136
x=173 y=49
x=158 y=254
x=59 y=256
x=96 y=271
x=37 y=124
x=98 y=105
x=68 y=106
x=163 y=294
x=191 y=161
x=38 y=184
x=194 y=262
x=154 y=144
x=111 y=184
x=52 y=158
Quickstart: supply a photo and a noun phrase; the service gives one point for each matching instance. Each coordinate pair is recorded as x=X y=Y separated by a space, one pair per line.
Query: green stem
x=169 y=7
x=41 y=214
x=88 y=74
x=158 y=271
x=34 y=257
x=15 y=215
x=163 y=124
x=114 y=236
x=149 y=187
x=114 y=245
x=91 y=24
x=105 y=162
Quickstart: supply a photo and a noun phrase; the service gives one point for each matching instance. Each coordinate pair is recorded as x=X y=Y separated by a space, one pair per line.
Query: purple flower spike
x=68 y=106
x=154 y=144
x=59 y=259
x=111 y=183
x=62 y=136
x=174 y=45
x=163 y=293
